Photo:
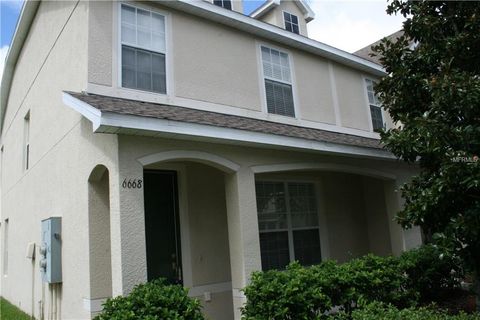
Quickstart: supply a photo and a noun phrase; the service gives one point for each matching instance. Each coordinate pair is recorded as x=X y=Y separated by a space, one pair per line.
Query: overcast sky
x=346 y=24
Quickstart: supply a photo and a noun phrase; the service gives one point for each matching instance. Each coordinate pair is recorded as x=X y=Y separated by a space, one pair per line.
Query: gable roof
x=124 y=116
x=308 y=13
x=366 y=51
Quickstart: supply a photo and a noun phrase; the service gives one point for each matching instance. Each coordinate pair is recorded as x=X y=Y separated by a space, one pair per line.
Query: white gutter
x=27 y=14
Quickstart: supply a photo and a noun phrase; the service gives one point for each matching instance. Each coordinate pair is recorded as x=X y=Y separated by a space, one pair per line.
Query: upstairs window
x=278 y=82
x=143 y=50
x=291 y=22
x=227 y=4
x=288 y=223
x=375 y=106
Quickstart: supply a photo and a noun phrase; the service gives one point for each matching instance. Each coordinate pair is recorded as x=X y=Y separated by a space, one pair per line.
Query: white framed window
x=375 y=106
x=291 y=22
x=278 y=82
x=143 y=49
x=288 y=223
x=5 y=247
x=26 y=141
x=227 y=4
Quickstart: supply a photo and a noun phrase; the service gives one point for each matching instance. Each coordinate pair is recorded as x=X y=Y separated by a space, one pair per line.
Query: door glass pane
x=274 y=250
x=271 y=206
x=162 y=226
x=306 y=244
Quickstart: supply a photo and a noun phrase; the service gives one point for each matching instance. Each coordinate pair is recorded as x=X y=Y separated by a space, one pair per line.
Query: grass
x=9 y=312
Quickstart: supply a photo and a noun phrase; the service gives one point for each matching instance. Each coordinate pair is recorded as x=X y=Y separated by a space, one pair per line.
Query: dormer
x=291 y=15
x=234 y=5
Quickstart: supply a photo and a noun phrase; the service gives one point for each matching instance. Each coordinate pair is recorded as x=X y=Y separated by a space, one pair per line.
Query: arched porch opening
x=99 y=237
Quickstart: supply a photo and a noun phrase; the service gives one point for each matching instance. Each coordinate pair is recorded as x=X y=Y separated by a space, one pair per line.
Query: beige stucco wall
x=354 y=111
x=63 y=151
x=207 y=212
x=214 y=64
x=217 y=67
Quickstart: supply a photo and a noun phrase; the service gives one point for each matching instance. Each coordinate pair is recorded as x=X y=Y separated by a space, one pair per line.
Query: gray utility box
x=51 y=250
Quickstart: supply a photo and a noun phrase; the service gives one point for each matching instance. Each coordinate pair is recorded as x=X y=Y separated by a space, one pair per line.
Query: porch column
x=243 y=234
x=132 y=228
x=401 y=239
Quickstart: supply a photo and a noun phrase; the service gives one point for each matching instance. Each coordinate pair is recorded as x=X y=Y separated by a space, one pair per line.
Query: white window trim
x=169 y=81
x=262 y=77
x=285 y=24
x=322 y=220
x=367 y=103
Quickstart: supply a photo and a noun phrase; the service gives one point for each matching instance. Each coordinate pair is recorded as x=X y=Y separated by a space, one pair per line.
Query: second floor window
x=291 y=22
x=375 y=106
x=143 y=50
x=278 y=82
x=227 y=4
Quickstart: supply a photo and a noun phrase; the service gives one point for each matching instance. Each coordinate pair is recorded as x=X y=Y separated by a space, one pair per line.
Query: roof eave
x=273 y=33
x=27 y=15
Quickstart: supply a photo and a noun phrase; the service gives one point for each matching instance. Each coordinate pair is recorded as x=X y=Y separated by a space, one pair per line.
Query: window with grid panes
x=278 y=82
x=143 y=49
x=375 y=106
x=291 y=22
x=227 y=4
x=288 y=223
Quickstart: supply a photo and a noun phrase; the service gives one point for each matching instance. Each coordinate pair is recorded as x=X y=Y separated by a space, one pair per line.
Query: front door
x=162 y=228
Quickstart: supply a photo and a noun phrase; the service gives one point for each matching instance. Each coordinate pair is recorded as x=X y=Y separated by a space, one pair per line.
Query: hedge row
x=379 y=311
x=417 y=277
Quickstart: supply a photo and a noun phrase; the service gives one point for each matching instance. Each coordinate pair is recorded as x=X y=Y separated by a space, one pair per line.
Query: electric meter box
x=51 y=250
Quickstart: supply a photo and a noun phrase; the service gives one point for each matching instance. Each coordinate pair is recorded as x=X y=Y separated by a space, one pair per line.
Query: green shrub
x=421 y=275
x=379 y=311
x=290 y=294
x=432 y=272
x=153 y=300
x=307 y=293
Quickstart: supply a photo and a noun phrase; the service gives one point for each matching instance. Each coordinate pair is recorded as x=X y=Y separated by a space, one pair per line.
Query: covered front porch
x=208 y=215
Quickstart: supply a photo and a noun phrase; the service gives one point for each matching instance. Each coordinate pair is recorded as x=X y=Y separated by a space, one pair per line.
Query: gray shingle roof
x=182 y=114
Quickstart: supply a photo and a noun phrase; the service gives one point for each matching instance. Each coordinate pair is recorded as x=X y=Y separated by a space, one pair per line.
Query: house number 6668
x=132 y=183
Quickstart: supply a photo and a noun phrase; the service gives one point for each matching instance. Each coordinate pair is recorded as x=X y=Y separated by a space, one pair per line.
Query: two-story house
x=185 y=140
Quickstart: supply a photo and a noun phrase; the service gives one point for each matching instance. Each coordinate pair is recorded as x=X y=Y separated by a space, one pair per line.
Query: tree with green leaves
x=432 y=92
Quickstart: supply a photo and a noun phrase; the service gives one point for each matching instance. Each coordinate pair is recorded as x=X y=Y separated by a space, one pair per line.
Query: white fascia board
x=308 y=13
x=261 y=29
x=86 y=110
x=27 y=14
x=218 y=134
